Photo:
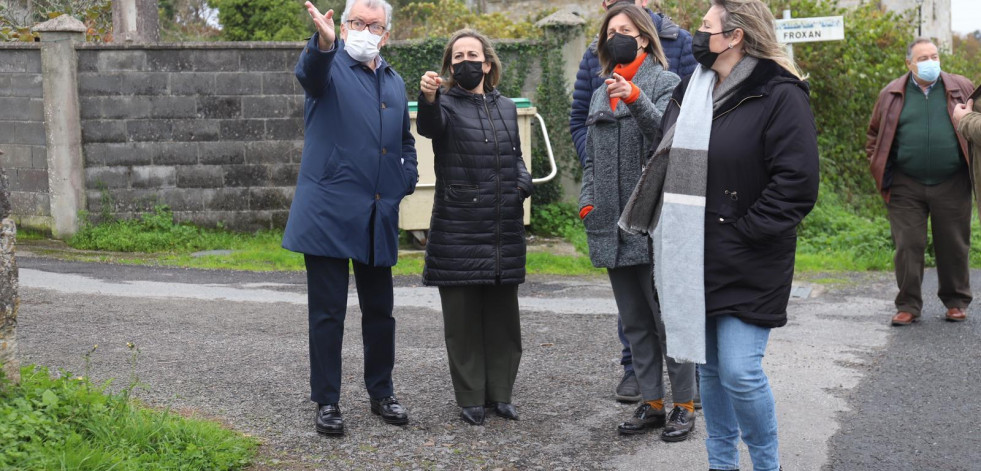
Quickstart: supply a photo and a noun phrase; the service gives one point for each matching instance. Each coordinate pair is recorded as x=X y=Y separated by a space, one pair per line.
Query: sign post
x=799 y=30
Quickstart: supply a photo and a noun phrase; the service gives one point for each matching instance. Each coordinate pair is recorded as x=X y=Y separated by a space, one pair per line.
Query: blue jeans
x=736 y=395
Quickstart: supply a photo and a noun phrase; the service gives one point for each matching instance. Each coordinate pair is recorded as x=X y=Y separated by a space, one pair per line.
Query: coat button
x=384 y=151
x=383 y=105
x=378 y=196
x=722 y=220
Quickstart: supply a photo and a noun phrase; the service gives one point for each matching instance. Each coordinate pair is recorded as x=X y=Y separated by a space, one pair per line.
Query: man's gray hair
x=920 y=40
x=370 y=4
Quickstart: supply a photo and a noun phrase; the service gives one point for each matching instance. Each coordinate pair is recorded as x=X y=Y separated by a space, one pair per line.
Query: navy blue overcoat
x=359 y=159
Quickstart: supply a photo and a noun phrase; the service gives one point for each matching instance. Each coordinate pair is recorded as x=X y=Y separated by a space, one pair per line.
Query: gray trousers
x=483 y=341
x=948 y=207
x=633 y=289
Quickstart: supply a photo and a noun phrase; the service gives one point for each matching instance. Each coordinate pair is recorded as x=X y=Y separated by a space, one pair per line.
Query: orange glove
x=584 y=211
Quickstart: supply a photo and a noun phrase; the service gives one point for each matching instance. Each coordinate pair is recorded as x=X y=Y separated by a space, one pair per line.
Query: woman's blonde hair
x=491 y=78
x=639 y=17
x=759 y=37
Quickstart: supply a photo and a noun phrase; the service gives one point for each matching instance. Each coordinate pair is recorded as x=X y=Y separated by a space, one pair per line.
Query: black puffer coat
x=762 y=181
x=476 y=235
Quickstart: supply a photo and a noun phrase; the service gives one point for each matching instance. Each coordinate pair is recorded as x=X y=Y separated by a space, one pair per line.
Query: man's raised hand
x=324 y=24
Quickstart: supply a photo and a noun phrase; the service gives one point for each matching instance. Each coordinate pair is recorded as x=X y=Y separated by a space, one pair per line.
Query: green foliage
x=440 y=18
x=834 y=237
x=553 y=220
x=186 y=21
x=845 y=79
x=262 y=20
x=96 y=14
x=151 y=232
x=67 y=422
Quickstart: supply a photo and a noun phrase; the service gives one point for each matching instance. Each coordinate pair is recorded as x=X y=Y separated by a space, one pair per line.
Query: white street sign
x=802 y=30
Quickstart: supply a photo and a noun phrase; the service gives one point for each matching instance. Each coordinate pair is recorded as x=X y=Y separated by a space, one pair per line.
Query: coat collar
x=760 y=83
x=475 y=98
x=898 y=86
x=349 y=61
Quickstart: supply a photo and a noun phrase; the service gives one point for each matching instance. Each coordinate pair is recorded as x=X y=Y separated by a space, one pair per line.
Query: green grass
x=31 y=234
x=833 y=238
x=68 y=423
x=154 y=239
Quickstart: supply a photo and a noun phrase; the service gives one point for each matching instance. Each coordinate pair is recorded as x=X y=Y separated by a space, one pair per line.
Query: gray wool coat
x=617 y=145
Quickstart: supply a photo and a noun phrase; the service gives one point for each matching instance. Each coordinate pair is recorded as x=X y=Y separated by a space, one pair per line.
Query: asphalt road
x=852 y=393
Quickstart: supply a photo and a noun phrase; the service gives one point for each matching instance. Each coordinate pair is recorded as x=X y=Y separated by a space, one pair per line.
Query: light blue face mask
x=928 y=70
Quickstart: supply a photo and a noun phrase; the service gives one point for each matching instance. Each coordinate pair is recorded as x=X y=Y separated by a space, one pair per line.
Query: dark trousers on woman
x=483 y=341
x=948 y=207
x=633 y=289
x=327 y=280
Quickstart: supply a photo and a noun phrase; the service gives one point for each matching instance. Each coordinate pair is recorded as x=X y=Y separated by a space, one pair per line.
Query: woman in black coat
x=741 y=135
x=475 y=253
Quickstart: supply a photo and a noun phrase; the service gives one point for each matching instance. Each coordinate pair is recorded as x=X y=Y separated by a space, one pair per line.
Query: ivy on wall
x=413 y=58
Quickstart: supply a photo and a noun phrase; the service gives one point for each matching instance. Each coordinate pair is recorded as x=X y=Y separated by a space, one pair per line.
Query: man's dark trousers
x=327 y=280
x=948 y=206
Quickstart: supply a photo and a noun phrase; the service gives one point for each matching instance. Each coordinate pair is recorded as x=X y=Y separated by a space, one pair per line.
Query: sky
x=965 y=15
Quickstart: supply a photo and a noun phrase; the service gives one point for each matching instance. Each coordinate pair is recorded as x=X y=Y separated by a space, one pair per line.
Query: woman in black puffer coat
x=475 y=253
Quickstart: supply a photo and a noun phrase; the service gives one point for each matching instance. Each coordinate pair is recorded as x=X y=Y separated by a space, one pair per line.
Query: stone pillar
x=8 y=286
x=567 y=26
x=135 y=21
x=62 y=123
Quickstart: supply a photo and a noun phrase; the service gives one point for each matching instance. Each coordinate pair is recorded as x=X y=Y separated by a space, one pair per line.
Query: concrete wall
x=212 y=130
x=22 y=133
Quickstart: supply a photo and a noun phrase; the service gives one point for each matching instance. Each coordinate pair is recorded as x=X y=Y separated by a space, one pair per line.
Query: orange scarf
x=627 y=71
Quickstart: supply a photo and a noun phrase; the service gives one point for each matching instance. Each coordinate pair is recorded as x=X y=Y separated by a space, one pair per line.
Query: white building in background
x=935 y=16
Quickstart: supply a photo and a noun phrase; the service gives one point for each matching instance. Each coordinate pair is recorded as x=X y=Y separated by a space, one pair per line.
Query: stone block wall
x=22 y=136
x=215 y=131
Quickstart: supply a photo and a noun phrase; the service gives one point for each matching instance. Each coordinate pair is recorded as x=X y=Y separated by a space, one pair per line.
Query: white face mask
x=362 y=46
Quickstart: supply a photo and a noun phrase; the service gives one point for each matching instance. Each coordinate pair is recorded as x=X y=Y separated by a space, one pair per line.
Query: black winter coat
x=762 y=181
x=477 y=233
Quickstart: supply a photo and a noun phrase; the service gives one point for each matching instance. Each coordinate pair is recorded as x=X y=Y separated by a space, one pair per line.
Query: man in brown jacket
x=920 y=166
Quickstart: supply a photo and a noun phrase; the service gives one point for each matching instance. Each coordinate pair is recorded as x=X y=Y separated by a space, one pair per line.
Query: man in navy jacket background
x=676 y=43
x=359 y=161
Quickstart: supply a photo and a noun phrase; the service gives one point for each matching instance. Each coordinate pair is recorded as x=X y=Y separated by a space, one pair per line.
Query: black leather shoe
x=473 y=415
x=329 y=420
x=679 y=426
x=645 y=418
x=390 y=410
x=505 y=409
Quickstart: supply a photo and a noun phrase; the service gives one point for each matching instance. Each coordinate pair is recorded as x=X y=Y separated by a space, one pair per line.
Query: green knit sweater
x=926 y=147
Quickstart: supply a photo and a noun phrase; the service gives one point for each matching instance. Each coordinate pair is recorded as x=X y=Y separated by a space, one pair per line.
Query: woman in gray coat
x=622 y=127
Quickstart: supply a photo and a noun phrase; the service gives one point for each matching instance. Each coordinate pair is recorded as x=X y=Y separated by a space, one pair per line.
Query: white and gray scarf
x=669 y=204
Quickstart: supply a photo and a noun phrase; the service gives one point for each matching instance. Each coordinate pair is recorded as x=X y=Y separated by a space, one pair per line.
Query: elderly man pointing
x=359 y=161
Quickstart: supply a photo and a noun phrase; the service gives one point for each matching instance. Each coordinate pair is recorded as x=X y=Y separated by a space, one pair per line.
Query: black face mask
x=622 y=48
x=468 y=74
x=700 y=48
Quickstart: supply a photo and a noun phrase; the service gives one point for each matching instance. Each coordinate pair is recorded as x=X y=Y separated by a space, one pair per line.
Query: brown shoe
x=903 y=318
x=956 y=314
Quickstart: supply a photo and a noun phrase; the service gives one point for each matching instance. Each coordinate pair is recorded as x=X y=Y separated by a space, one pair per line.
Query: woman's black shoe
x=505 y=409
x=473 y=415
